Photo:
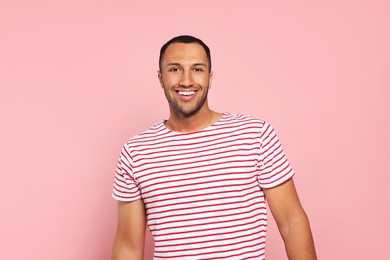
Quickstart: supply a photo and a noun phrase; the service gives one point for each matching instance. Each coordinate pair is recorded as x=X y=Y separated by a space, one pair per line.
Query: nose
x=186 y=79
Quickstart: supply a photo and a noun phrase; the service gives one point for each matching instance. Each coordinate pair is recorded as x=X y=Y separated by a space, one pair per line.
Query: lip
x=185 y=89
x=185 y=97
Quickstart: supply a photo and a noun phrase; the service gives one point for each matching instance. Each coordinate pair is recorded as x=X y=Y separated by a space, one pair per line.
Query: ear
x=159 y=75
x=210 y=79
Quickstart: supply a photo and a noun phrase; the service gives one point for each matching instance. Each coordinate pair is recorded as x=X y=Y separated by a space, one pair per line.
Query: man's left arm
x=292 y=221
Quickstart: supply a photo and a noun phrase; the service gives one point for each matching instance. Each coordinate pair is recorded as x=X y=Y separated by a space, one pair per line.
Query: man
x=199 y=179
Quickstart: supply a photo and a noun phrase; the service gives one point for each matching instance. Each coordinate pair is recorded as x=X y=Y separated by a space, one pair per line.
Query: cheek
x=170 y=80
x=203 y=80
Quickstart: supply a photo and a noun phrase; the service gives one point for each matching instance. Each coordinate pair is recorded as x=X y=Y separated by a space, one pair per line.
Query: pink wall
x=78 y=78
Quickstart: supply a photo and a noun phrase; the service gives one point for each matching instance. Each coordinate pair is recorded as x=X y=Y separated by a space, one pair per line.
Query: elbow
x=124 y=250
x=298 y=222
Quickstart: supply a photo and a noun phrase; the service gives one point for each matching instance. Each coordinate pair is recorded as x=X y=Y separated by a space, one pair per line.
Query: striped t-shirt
x=203 y=190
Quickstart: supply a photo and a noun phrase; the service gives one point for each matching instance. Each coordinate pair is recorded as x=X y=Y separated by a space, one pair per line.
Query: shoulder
x=260 y=125
x=239 y=118
x=153 y=132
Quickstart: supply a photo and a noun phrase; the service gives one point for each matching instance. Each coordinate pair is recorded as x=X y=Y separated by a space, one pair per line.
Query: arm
x=130 y=234
x=292 y=221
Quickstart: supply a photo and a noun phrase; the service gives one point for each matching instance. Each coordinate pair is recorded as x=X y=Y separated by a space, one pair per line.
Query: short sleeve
x=125 y=186
x=273 y=167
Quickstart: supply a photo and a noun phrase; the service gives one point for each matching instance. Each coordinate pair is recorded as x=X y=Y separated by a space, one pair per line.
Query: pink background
x=79 y=77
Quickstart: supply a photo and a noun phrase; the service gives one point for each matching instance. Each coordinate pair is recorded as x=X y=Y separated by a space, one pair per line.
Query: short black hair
x=185 y=39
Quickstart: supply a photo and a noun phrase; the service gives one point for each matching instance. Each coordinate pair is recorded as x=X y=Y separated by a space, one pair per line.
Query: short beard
x=180 y=109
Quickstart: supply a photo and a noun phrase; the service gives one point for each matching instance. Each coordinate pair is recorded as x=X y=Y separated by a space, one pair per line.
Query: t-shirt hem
x=281 y=181
x=125 y=199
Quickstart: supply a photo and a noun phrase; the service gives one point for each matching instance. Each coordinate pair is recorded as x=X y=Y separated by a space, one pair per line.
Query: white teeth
x=186 y=93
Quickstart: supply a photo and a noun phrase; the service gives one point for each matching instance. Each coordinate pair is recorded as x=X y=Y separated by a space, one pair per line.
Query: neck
x=181 y=123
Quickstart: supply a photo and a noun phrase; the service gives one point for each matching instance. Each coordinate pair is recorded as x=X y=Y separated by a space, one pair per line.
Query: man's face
x=185 y=77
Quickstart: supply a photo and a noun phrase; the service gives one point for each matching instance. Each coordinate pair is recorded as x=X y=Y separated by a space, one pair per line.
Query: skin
x=292 y=221
x=130 y=233
x=185 y=68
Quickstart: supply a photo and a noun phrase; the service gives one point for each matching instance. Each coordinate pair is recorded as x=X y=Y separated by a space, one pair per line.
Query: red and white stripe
x=203 y=190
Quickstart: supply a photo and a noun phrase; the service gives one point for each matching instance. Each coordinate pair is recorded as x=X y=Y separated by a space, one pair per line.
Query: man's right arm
x=130 y=234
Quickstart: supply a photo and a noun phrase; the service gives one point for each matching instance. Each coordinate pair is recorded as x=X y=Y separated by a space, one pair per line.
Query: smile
x=186 y=93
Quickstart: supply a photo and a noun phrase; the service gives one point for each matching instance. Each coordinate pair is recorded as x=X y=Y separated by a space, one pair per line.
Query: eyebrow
x=178 y=64
x=199 y=64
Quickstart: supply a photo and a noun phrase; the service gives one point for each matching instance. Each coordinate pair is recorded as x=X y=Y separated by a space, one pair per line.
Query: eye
x=173 y=69
x=198 y=69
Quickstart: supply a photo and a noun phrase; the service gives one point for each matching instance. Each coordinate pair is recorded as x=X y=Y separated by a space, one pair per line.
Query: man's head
x=185 y=75
x=184 y=39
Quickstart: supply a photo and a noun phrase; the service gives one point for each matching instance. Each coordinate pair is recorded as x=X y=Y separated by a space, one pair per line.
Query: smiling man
x=185 y=75
x=200 y=179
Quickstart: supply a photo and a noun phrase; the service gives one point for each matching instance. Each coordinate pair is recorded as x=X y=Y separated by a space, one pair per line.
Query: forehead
x=185 y=52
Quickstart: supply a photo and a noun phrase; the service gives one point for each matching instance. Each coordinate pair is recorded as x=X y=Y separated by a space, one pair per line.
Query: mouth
x=186 y=93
